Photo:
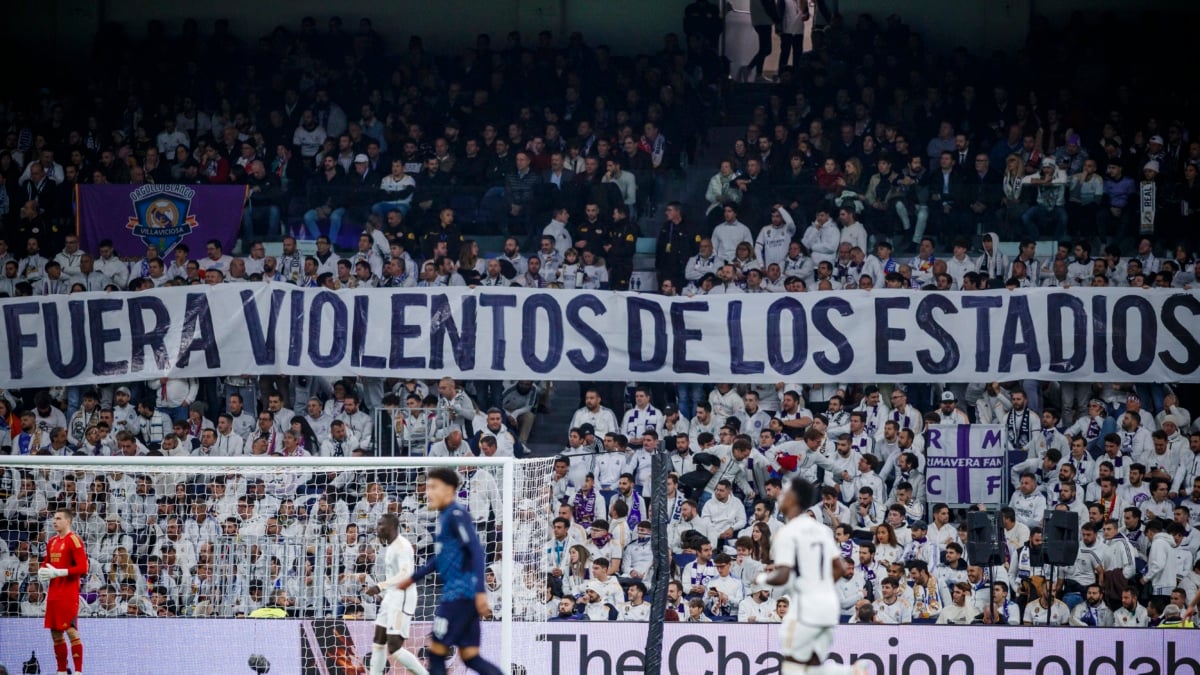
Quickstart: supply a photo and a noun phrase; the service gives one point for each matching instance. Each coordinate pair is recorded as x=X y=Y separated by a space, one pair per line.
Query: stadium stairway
x=549 y=435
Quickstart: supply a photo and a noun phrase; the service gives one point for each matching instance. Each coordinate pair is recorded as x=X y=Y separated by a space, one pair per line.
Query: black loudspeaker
x=985 y=538
x=1060 y=540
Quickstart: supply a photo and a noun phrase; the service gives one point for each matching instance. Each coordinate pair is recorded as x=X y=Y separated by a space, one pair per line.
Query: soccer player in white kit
x=808 y=565
x=396 y=611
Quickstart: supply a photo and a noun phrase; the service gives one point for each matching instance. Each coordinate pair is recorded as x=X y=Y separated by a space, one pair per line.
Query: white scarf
x=1148 y=198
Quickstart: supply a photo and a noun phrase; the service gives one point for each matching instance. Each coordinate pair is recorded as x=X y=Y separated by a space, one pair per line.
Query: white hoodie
x=822 y=242
x=1161 y=573
x=727 y=236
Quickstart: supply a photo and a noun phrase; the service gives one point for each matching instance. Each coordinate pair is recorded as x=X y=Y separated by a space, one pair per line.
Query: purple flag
x=137 y=216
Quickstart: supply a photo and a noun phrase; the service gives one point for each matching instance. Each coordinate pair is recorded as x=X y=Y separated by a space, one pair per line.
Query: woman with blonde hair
x=854 y=186
x=121 y=569
x=1012 y=184
x=745 y=260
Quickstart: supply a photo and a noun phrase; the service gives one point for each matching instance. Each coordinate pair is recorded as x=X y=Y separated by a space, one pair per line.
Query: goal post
x=306 y=516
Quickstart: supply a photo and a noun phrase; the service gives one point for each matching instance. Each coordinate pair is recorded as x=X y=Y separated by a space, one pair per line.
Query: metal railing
x=408 y=432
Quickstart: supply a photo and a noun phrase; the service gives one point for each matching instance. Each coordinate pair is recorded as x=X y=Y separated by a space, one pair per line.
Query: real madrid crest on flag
x=162 y=215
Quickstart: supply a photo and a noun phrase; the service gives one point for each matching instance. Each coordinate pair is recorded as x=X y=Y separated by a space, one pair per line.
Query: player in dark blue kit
x=458 y=559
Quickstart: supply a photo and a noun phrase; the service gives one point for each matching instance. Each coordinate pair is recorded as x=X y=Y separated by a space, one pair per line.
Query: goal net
x=196 y=544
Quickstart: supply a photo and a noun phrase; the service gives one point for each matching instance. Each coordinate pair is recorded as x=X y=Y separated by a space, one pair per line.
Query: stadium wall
x=206 y=646
x=446 y=26
x=629 y=26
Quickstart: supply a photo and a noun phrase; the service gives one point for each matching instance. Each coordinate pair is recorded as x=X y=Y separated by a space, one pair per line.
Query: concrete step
x=549 y=435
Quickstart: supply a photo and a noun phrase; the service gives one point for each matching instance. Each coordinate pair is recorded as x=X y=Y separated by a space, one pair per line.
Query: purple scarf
x=585 y=507
x=635 y=510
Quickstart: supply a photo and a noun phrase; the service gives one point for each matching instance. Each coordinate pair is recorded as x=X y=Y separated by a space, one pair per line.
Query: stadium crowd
x=870 y=160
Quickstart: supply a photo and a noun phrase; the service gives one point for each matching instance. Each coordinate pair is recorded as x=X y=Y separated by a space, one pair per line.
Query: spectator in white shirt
x=756 y=607
x=172 y=396
x=169 y=140
x=641 y=417
x=726 y=513
x=1028 y=502
x=724 y=592
x=822 y=237
x=215 y=257
x=1047 y=610
x=866 y=477
x=557 y=229
x=689 y=521
x=960 y=611
x=1092 y=612
x=1135 y=438
x=729 y=233
x=637 y=609
x=601 y=419
x=1001 y=610
x=361 y=425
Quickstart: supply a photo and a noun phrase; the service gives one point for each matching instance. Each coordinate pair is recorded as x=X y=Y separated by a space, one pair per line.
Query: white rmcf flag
x=965 y=464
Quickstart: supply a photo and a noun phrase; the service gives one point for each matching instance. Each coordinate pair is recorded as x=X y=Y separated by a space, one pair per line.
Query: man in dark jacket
x=433 y=187
x=620 y=244
x=947 y=207
x=982 y=192
x=589 y=233
x=677 y=241
x=263 y=199
x=519 y=195
x=362 y=191
x=444 y=231
x=326 y=198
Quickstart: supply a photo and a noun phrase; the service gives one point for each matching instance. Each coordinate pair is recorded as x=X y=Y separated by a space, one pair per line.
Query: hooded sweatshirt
x=1161 y=573
x=822 y=242
x=995 y=264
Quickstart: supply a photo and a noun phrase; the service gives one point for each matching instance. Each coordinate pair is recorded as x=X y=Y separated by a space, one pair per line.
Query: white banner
x=964 y=464
x=207 y=646
x=895 y=336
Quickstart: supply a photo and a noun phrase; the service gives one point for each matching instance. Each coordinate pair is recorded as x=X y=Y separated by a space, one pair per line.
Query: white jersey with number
x=398 y=606
x=808 y=548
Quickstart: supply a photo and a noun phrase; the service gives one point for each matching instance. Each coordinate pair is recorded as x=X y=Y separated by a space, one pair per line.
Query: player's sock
x=482 y=667
x=60 y=655
x=378 y=658
x=410 y=661
x=437 y=664
x=77 y=655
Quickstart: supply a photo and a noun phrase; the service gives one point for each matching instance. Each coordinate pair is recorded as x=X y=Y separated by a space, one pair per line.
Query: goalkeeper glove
x=48 y=573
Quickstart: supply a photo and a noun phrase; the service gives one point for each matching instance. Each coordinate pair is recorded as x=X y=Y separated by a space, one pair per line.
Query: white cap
x=360 y=158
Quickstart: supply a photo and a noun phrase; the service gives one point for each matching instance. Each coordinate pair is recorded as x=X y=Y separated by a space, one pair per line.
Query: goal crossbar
x=148 y=462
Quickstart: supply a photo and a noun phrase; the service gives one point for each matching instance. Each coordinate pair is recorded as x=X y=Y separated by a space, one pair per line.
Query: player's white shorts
x=801 y=641
x=392 y=616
